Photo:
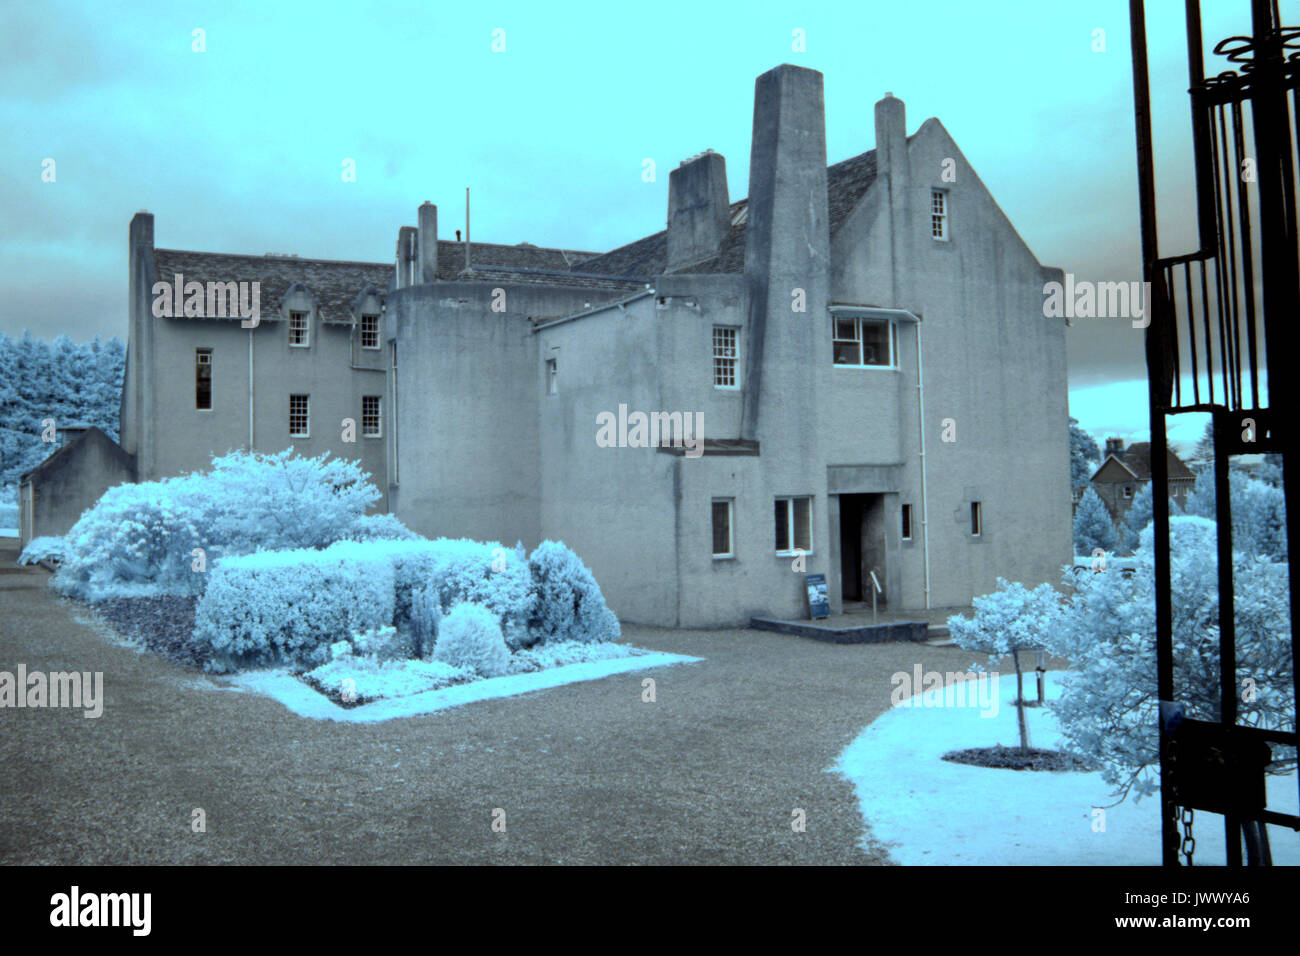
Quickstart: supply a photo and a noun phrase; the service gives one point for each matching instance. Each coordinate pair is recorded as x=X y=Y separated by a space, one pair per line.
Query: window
x=1128 y=491
x=939 y=214
x=203 y=378
x=907 y=522
x=298 y=329
x=370 y=420
x=724 y=357
x=299 y=416
x=370 y=331
x=722 y=527
x=976 y=518
x=552 y=377
x=793 y=525
x=861 y=342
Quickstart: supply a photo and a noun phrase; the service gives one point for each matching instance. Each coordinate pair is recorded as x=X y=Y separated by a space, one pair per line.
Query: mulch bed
x=1013 y=758
x=165 y=625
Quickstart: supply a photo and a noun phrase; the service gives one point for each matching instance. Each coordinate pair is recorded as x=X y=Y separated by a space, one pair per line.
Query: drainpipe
x=250 y=390
x=925 y=511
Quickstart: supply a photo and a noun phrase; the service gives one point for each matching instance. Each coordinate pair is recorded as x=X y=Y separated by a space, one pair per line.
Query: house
x=1124 y=471
x=847 y=372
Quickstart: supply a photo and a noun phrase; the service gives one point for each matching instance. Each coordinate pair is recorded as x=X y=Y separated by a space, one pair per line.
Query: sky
x=240 y=147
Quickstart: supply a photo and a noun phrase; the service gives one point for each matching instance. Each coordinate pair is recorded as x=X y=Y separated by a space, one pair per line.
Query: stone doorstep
x=883 y=632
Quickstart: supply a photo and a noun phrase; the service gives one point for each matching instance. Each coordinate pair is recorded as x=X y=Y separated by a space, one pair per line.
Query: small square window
x=370 y=331
x=793 y=525
x=907 y=522
x=299 y=327
x=976 y=518
x=722 y=528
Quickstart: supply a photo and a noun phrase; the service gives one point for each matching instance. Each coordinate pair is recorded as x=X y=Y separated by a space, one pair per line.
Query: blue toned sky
x=240 y=148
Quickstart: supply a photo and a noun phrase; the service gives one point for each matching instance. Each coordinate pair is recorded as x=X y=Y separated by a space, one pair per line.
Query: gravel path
x=586 y=773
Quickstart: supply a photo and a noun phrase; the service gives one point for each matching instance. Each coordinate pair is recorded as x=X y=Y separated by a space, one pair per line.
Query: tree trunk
x=1020 y=703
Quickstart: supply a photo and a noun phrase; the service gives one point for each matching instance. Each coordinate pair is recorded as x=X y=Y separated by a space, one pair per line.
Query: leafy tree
x=1258 y=512
x=1008 y=621
x=1093 y=527
x=1084 y=455
x=1108 y=710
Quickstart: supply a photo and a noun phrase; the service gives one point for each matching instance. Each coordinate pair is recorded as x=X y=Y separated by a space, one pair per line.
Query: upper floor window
x=203 y=378
x=299 y=416
x=793 y=525
x=976 y=518
x=299 y=329
x=370 y=420
x=370 y=331
x=938 y=214
x=862 y=342
x=725 y=357
x=552 y=377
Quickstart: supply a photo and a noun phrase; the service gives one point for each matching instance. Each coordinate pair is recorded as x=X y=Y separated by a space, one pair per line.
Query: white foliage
x=292 y=606
x=570 y=605
x=470 y=636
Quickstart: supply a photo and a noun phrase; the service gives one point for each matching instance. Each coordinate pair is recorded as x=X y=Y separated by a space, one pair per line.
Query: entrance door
x=862 y=546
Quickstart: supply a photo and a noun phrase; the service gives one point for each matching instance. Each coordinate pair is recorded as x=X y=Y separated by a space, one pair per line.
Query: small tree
x=1092 y=525
x=1084 y=455
x=1010 y=620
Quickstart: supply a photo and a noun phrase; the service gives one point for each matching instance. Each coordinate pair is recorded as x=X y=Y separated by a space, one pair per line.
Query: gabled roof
x=65 y=452
x=1136 y=461
x=846 y=183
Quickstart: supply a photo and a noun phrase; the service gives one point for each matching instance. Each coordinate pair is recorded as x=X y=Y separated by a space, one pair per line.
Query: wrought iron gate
x=1217 y=319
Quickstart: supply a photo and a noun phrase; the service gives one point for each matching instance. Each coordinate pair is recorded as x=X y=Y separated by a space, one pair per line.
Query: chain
x=1189 y=843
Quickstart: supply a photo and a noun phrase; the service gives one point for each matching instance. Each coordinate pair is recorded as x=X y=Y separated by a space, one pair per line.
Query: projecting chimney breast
x=699 y=210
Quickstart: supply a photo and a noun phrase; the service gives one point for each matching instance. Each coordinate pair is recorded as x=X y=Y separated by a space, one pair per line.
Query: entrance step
x=850 y=632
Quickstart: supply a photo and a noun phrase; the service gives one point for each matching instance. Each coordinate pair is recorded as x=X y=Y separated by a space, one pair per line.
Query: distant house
x=1124 y=471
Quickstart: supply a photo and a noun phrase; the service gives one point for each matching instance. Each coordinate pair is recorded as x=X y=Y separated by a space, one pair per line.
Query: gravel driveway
x=586 y=773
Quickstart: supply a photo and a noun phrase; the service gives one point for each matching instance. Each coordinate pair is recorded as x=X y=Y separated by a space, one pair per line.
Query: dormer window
x=939 y=214
x=370 y=331
x=299 y=329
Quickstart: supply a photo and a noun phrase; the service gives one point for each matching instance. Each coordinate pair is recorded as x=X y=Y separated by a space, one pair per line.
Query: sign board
x=819 y=604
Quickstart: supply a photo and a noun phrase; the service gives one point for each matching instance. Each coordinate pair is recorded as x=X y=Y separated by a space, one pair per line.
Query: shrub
x=569 y=603
x=426 y=616
x=42 y=549
x=143 y=535
x=381 y=527
x=1108 y=710
x=290 y=606
x=470 y=636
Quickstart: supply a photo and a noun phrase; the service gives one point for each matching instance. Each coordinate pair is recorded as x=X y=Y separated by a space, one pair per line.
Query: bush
x=569 y=603
x=380 y=527
x=290 y=606
x=42 y=549
x=1108 y=710
x=141 y=537
x=425 y=618
x=470 y=636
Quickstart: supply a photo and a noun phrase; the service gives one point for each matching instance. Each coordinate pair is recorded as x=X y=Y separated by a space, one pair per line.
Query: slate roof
x=336 y=284
x=1137 y=459
x=846 y=183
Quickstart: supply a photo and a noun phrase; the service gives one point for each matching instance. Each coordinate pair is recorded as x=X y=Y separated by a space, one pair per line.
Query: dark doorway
x=862 y=546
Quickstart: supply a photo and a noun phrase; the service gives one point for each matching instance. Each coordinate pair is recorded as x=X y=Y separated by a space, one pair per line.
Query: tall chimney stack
x=699 y=210
x=893 y=173
x=428 y=226
x=787 y=243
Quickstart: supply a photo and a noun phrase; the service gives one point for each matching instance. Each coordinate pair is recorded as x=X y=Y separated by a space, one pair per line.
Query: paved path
x=586 y=773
